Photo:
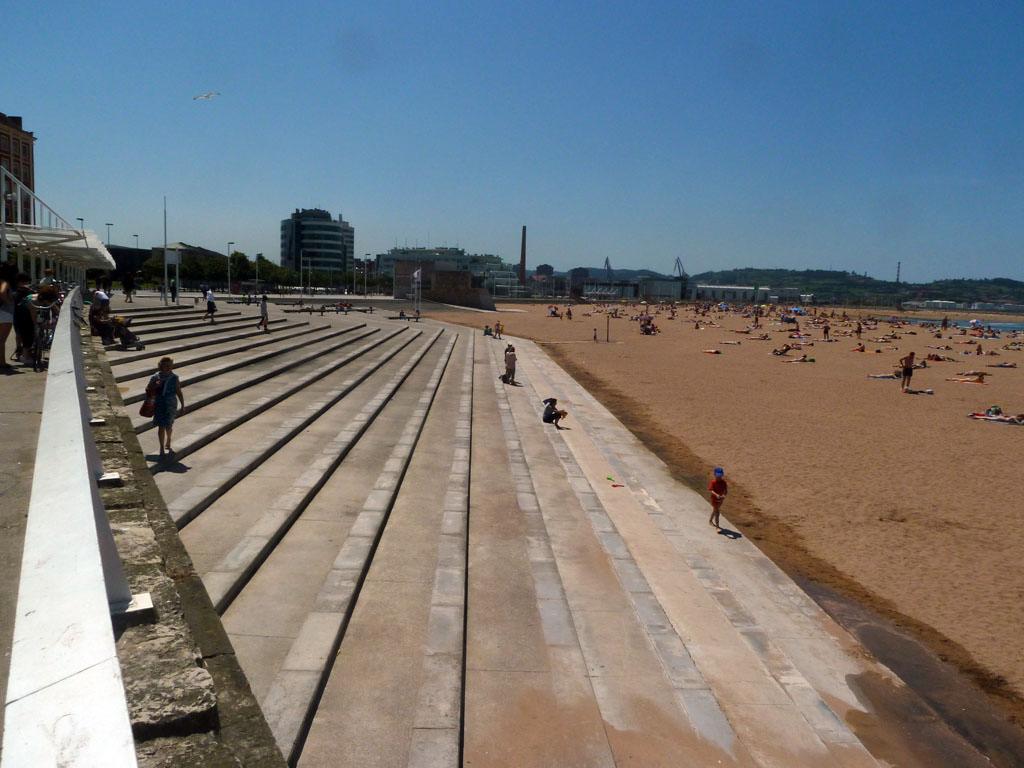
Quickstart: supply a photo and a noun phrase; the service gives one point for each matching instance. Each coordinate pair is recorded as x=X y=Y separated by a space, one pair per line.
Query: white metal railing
x=65 y=697
x=40 y=214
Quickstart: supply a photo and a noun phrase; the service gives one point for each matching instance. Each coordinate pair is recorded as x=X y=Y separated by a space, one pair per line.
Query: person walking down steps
x=211 y=305
x=264 y=322
x=163 y=389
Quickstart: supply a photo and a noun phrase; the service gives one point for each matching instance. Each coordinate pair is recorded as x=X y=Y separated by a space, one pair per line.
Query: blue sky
x=730 y=134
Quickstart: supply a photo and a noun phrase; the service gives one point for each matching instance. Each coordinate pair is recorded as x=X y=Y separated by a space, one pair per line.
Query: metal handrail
x=65 y=696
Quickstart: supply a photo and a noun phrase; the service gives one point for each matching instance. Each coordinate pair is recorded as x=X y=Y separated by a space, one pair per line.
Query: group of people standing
x=31 y=312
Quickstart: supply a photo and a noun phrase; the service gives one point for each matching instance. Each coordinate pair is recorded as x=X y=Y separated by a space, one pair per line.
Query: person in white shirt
x=211 y=305
x=264 y=322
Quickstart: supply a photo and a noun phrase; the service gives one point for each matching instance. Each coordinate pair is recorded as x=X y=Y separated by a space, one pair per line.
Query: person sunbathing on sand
x=801 y=359
x=971 y=377
x=999 y=418
x=783 y=350
x=1002 y=365
x=711 y=351
x=859 y=348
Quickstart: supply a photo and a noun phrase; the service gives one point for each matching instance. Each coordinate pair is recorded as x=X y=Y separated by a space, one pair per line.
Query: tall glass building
x=311 y=239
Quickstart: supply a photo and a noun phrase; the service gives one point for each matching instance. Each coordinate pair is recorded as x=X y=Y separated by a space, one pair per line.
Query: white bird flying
x=206 y=96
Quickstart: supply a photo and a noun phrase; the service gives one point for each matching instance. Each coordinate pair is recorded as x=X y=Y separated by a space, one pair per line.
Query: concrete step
x=132 y=309
x=218 y=537
x=203 y=491
x=776 y=620
x=148 y=320
x=218 y=350
x=154 y=336
x=726 y=659
x=118 y=357
x=399 y=703
x=212 y=391
x=636 y=664
x=235 y=410
x=528 y=698
x=187 y=323
x=289 y=356
x=291 y=699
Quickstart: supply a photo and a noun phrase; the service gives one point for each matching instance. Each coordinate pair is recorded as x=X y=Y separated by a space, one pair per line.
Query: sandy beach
x=897 y=500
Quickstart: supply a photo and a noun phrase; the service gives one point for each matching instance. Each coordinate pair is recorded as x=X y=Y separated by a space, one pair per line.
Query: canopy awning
x=81 y=248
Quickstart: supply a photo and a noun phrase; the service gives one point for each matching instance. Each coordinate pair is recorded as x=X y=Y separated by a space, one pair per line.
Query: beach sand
x=896 y=500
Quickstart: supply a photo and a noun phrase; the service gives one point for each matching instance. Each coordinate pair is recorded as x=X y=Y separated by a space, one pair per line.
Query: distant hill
x=848 y=286
x=828 y=285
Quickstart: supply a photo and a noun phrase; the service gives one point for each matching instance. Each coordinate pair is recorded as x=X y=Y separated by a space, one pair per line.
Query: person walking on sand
x=907 y=366
x=510 y=365
x=264 y=322
x=165 y=387
x=498 y=328
x=718 y=489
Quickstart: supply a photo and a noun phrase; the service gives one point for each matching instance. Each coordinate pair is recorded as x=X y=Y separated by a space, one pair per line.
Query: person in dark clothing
x=552 y=415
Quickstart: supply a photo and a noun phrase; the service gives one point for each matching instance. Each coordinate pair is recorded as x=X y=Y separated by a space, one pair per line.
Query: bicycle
x=45 y=320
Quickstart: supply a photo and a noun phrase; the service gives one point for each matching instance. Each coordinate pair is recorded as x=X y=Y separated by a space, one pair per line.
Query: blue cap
x=719 y=472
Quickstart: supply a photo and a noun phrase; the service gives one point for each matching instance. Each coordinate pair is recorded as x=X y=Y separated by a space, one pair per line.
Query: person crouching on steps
x=718 y=489
x=551 y=413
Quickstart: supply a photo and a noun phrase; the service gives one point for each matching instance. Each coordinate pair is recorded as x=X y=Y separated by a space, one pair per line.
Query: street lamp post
x=136 y=242
x=108 y=225
x=81 y=223
x=230 y=243
x=366 y=261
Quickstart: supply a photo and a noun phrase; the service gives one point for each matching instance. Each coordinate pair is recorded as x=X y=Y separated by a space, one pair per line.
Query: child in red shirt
x=718 y=488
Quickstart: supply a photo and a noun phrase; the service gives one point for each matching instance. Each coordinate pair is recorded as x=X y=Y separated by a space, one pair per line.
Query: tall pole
x=3 y=221
x=166 y=286
x=109 y=225
x=522 y=259
x=258 y=270
x=366 y=262
x=136 y=242
x=230 y=243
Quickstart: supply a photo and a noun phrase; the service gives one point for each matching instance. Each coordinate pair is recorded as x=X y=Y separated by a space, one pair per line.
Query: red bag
x=148 y=407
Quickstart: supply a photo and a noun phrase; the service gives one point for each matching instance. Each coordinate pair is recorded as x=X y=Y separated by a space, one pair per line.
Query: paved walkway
x=21 y=403
x=415 y=570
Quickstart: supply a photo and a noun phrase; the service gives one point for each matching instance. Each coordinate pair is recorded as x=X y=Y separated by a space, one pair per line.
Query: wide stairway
x=415 y=570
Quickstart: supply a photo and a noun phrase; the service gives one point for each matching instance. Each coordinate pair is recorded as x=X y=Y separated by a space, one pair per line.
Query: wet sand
x=897 y=501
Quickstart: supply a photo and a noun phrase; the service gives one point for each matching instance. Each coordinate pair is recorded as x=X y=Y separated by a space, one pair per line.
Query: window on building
x=5 y=143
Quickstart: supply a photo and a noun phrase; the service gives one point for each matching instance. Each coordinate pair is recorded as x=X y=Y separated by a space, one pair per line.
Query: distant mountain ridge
x=827 y=285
